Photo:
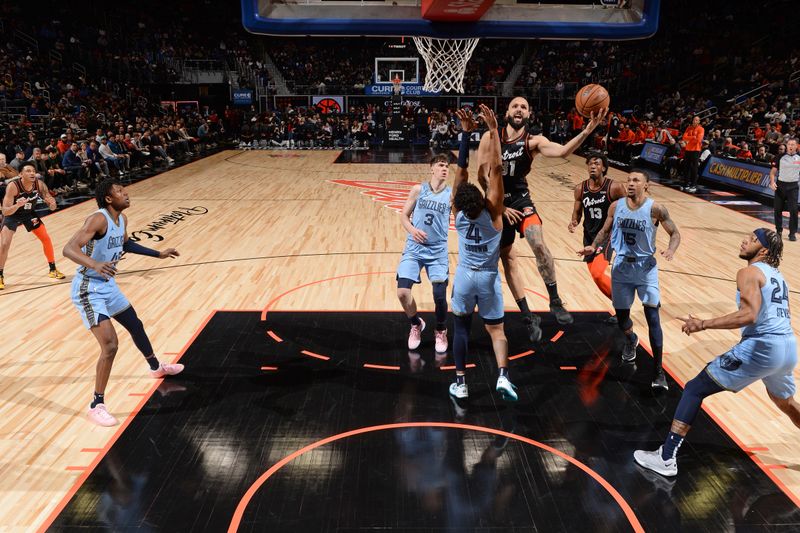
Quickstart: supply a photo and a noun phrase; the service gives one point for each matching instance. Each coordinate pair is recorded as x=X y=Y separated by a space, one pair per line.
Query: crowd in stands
x=656 y=86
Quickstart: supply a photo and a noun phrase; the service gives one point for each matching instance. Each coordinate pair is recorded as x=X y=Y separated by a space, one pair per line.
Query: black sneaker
x=660 y=381
x=629 y=350
x=562 y=315
x=792 y=237
x=532 y=325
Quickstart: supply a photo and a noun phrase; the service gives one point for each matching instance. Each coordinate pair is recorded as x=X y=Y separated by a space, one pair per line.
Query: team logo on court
x=165 y=220
x=392 y=194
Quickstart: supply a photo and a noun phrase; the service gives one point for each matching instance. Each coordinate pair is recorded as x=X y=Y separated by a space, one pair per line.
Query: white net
x=446 y=61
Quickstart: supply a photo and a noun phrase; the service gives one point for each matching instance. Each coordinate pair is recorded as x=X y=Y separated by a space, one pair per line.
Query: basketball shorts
x=606 y=251
x=477 y=287
x=770 y=358
x=93 y=297
x=30 y=224
x=524 y=204
x=629 y=278
x=435 y=261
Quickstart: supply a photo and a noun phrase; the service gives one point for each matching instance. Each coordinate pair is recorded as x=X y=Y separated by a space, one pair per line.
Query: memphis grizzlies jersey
x=517 y=162
x=431 y=215
x=773 y=316
x=478 y=242
x=106 y=248
x=633 y=233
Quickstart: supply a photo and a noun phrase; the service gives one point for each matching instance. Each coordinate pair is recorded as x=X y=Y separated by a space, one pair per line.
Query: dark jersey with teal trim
x=517 y=163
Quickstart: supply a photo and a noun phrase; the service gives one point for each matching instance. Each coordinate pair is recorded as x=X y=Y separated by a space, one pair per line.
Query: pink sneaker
x=441 y=341
x=415 y=335
x=167 y=369
x=101 y=417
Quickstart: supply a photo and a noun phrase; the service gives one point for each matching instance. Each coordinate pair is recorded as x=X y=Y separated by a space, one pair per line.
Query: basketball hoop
x=446 y=61
x=397 y=83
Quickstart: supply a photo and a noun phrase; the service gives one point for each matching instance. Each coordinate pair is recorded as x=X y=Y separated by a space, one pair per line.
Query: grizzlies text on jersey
x=92 y=294
x=431 y=215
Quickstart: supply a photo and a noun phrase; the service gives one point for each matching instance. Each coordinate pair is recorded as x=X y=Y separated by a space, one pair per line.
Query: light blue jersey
x=633 y=233
x=93 y=296
x=633 y=238
x=478 y=242
x=431 y=215
x=477 y=280
x=773 y=316
x=768 y=349
x=106 y=248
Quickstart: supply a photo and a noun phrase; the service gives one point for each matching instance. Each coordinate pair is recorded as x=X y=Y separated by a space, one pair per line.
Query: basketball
x=591 y=99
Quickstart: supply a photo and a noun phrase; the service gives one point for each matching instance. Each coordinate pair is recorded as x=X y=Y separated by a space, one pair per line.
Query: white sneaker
x=441 y=341
x=415 y=335
x=100 y=416
x=653 y=461
x=459 y=391
x=506 y=389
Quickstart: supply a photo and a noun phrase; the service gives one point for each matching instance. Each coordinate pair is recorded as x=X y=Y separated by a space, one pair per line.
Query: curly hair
x=469 y=199
x=103 y=190
x=600 y=157
x=775 y=248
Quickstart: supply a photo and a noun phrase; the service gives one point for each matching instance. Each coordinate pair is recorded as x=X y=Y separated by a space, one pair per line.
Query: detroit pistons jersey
x=595 y=208
x=633 y=233
x=517 y=162
x=478 y=242
x=773 y=317
x=431 y=215
x=106 y=248
x=27 y=211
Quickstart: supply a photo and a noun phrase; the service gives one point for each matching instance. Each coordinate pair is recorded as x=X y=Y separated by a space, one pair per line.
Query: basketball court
x=301 y=408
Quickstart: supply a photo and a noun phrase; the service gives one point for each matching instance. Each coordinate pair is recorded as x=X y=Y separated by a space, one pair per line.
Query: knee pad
x=404 y=283
x=624 y=321
x=440 y=290
x=697 y=389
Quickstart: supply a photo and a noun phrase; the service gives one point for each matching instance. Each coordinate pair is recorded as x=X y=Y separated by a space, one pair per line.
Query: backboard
x=505 y=19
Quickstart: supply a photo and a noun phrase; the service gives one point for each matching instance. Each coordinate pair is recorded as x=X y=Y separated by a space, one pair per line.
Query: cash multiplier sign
x=739 y=174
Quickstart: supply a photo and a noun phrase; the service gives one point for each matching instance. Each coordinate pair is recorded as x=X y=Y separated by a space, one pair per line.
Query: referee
x=787 y=171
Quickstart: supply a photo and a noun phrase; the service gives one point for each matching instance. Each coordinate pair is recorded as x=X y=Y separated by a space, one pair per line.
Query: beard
x=747 y=256
x=515 y=123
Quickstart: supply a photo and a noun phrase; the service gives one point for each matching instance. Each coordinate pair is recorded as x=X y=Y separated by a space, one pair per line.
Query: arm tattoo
x=600 y=238
x=662 y=215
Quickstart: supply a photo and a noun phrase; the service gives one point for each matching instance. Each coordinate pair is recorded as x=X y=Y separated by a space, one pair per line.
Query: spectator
x=55 y=178
x=762 y=156
x=716 y=143
x=7 y=172
x=18 y=160
x=744 y=151
x=693 y=137
x=97 y=165
x=73 y=165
